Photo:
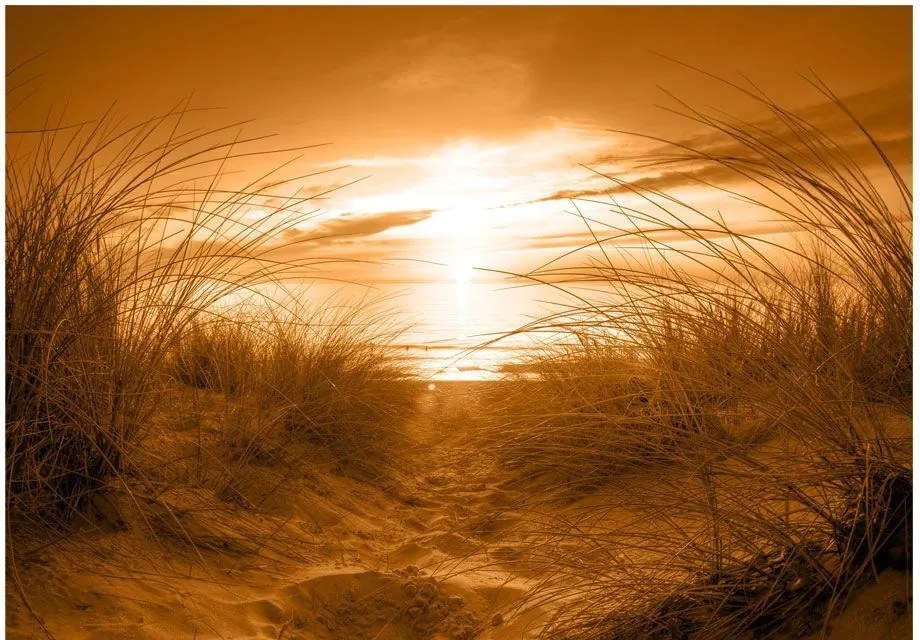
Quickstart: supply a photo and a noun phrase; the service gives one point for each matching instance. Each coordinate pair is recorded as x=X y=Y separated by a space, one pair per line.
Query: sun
x=461 y=269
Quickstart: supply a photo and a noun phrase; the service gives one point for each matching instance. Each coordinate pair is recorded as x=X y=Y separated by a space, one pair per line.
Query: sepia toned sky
x=450 y=112
x=469 y=129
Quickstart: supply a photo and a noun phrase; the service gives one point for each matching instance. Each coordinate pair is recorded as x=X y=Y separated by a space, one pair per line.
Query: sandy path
x=434 y=553
x=342 y=559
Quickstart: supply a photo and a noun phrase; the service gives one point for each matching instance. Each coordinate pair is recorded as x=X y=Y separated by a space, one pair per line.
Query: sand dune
x=325 y=557
x=441 y=550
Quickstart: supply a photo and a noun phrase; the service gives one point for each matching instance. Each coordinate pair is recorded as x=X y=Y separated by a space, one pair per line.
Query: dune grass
x=120 y=242
x=216 y=353
x=762 y=385
x=317 y=374
x=124 y=254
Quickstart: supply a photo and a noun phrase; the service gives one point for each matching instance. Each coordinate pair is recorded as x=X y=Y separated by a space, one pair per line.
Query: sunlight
x=461 y=268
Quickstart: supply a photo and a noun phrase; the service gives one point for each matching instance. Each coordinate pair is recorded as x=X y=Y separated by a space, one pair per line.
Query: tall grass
x=772 y=376
x=118 y=238
x=306 y=374
x=216 y=353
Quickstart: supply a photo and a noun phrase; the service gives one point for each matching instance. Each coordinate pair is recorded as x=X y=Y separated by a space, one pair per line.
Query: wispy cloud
x=614 y=186
x=884 y=112
x=486 y=75
x=351 y=225
x=625 y=238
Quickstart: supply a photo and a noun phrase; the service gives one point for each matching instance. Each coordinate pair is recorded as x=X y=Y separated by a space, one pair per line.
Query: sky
x=459 y=142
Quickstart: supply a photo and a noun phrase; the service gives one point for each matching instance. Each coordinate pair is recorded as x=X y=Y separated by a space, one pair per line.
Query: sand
x=325 y=555
x=328 y=556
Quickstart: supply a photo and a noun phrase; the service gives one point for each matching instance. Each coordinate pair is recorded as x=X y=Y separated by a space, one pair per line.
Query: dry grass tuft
x=321 y=375
x=774 y=378
x=135 y=399
x=121 y=244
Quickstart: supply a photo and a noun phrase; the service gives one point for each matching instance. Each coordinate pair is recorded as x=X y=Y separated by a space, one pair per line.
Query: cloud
x=490 y=80
x=885 y=112
x=628 y=237
x=702 y=174
x=351 y=225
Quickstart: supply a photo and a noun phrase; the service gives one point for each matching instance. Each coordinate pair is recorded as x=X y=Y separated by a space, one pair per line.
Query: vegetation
x=322 y=376
x=773 y=379
x=121 y=245
x=728 y=424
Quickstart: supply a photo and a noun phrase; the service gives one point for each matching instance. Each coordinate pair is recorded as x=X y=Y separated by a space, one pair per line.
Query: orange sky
x=451 y=114
x=468 y=126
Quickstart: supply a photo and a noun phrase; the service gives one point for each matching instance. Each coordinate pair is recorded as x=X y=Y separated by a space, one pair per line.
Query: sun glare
x=461 y=270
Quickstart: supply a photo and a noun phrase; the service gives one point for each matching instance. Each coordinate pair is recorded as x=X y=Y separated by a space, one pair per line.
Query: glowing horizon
x=465 y=142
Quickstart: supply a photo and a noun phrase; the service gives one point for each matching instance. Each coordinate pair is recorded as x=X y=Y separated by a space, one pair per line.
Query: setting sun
x=461 y=269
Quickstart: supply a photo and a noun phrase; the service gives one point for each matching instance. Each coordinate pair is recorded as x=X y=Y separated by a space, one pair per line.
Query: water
x=450 y=330
x=442 y=330
x=465 y=331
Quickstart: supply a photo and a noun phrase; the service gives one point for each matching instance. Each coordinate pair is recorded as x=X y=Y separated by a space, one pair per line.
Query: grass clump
x=785 y=363
x=138 y=401
x=338 y=385
x=218 y=354
x=118 y=238
x=296 y=386
x=614 y=419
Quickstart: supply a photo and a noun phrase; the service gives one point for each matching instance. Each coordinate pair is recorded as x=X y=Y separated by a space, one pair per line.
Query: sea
x=456 y=331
